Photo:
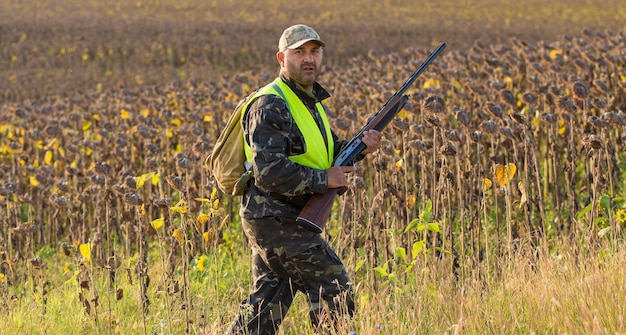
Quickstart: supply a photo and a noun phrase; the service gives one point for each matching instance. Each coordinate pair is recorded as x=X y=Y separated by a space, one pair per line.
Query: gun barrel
x=316 y=211
x=421 y=69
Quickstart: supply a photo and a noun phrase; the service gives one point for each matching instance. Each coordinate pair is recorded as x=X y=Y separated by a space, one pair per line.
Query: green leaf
x=605 y=202
x=412 y=225
x=391 y=279
x=584 y=211
x=442 y=250
x=434 y=227
x=401 y=253
x=359 y=264
x=429 y=206
x=417 y=248
x=409 y=267
x=381 y=272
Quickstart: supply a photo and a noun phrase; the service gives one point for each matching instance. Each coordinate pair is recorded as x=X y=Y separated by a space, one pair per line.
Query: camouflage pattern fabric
x=286 y=259
x=280 y=186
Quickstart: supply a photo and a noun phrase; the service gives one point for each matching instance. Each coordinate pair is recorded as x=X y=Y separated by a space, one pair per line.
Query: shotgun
x=317 y=209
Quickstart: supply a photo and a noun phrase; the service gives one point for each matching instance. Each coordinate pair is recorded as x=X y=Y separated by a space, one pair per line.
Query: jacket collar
x=319 y=93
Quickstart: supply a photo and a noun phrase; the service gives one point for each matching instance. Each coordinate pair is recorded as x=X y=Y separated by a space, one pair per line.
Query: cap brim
x=300 y=43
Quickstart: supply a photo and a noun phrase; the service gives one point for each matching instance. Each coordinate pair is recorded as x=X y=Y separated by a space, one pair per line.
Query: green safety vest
x=317 y=154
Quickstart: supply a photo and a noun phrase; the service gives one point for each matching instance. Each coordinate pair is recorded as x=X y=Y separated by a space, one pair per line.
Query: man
x=291 y=149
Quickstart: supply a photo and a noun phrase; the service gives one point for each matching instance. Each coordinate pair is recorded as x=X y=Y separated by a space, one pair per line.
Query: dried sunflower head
x=434 y=104
x=592 y=141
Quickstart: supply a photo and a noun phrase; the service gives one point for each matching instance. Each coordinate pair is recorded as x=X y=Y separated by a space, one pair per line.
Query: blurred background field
x=57 y=47
x=495 y=205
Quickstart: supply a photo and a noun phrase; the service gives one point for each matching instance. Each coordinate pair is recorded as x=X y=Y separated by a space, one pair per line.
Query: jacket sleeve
x=273 y=136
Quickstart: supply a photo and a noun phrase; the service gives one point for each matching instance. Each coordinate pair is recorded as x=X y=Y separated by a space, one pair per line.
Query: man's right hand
x=337 y=176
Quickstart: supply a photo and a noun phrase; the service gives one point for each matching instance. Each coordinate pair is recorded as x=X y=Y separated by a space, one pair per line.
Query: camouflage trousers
x=287 y=258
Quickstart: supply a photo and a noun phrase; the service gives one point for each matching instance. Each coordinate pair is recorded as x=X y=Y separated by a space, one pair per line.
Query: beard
x=305 y=74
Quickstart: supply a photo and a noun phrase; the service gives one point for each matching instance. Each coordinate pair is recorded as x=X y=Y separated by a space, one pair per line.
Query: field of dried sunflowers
x=495 y=205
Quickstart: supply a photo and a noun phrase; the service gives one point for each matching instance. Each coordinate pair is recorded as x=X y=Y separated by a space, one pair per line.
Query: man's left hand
x=371 y=138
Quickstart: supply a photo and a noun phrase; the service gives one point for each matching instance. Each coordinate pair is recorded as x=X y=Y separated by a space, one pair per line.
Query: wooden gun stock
x=317 y=209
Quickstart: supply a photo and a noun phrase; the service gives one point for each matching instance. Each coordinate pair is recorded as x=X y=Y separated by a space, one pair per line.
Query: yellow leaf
x=511 y=168
x=487 y=183
x=456 y=83
x=202 y=218
x=37 y=297
x=400 y=163
x=202 y=199
x=217 y=212
x=432 y=82
x=178 y=235
x=177 y=122
x=411 y=202
x=34 y=182
x=86 y=125
x=145 y=112
x=208 y=119
x=554 y=53
x=143 y=178
x=181 y=210
x=210 y=236
x=1 y=278
x=179 y=149
x=202 y=261
x=124 y=114
x=5 y=149
x=508 y=81
x=140 y=182
x=85 y=251
x=48 y=158
x=155 y=179
x=68 y=268
x=504 y=174
x=216 y=203
x=158 y=223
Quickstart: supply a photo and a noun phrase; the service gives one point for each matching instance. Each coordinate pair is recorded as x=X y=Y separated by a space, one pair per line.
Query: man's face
x=302 y=64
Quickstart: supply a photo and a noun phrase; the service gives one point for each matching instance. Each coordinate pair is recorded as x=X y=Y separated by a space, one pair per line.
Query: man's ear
x=280 y=57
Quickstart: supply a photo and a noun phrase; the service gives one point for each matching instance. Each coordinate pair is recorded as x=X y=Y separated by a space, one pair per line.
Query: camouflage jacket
x=281 y=187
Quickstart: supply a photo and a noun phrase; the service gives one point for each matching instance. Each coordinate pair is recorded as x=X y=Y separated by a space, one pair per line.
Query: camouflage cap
x=297 y=35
